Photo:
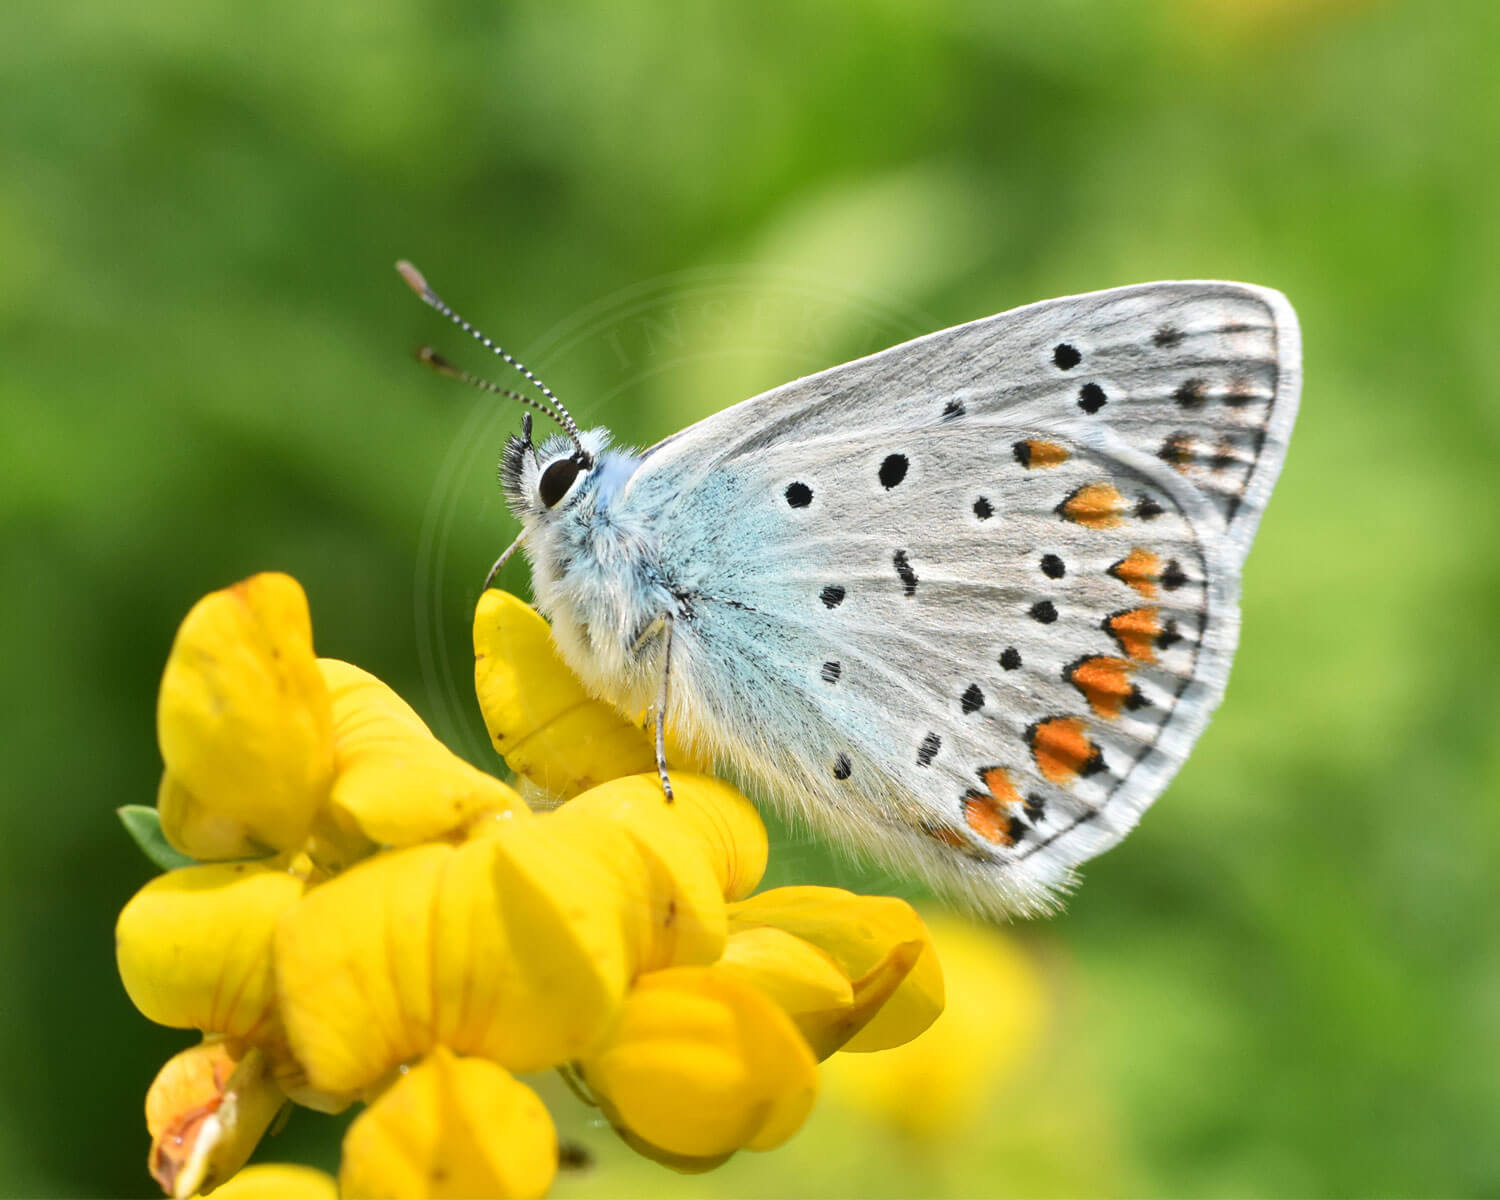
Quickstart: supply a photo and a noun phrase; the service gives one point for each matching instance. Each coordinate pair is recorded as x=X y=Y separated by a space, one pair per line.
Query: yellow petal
x=702 y=1064
x=353 y=969
x=195 y=828
x=279 y=1181
x=291 y=1078
x=829 y=1008
x=683 y=1164
x=396 y=782
x=207 y=1110
x=243 y=717
x=509 y=946
x=672 y=883
x=570 y=961
x=539 y=716
x=800 y=978
x=194 y=947
x=716 y=812
x=459 y=1127
x=870 y=938
x=941 y=1085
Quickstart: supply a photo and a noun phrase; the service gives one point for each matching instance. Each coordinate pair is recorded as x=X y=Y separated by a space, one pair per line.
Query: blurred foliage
x=1286 y=983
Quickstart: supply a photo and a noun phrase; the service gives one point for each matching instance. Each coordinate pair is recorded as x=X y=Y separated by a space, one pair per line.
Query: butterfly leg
x=663 y=626
x=661 y=710
x=501 y=561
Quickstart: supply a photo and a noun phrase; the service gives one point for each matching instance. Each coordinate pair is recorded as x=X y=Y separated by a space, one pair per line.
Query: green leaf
x=143 y=823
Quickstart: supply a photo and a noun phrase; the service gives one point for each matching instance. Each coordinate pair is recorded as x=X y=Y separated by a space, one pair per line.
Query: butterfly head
x=546 y=480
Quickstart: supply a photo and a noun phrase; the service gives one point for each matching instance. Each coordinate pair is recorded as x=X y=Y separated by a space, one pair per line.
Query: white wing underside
x=986 y=669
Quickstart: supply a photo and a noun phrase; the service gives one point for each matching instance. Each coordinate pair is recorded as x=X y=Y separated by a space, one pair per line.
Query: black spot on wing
x=1052 y=566
x=1147 y=507
x=1190 y=394
x=1044 y=611
x=831 y=671
x=893 y=470
x=831 y=596
x=927 y=751
x=1091 y=398
x=1066 y=357
x=972 y=699
x=1010 y=659
x=798 y=495
x=983 y=509
x=904 y=571
x=1176 y=448
x=842 y=767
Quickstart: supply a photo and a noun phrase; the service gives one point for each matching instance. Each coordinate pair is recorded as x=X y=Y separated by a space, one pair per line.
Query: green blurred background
x=1285 y=983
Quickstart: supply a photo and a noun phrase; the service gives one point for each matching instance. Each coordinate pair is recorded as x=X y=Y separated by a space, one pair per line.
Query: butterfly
x=963 y=605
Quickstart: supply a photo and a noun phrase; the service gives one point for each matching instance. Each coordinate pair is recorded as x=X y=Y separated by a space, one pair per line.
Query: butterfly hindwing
x=969 y=602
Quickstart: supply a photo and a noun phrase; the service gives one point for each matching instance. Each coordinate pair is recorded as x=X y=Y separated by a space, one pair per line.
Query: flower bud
x=207 y=1110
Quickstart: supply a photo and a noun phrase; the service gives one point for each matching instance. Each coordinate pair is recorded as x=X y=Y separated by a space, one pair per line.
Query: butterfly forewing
x=969 y=601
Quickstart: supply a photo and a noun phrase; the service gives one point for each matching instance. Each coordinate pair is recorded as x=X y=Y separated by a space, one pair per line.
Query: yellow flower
x=937 y=1087
x=670 y=892
x=420 y=932
x=459 y=1127
x=396 y=783
x=540 y=719
x=206 y=1112
x=702 y=1064
x=510 y=946
x=877 y=944
x=194 y=947
x=279 y=1181
x=245 y=724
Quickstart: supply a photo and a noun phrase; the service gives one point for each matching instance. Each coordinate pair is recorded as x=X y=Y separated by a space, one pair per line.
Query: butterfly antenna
x=417 y=283
x=429 y=357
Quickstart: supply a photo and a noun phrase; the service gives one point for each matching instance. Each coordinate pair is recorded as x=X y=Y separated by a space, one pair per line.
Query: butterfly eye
x=557 y=479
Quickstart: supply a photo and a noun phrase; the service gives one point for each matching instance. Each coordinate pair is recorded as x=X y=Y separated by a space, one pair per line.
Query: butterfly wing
x=968 y=602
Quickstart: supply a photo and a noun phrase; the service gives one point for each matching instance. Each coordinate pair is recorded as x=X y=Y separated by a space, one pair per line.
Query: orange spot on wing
x=1037 y=453
x=1139 y=569
x=987 y=812
x=987 y=817
x=998 y=783
x=1097 y=505
x=1105 y=684
x=1136 y=630
x=1062 y=750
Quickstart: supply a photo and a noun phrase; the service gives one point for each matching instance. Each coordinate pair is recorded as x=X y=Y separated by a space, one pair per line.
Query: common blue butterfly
x=964 y=604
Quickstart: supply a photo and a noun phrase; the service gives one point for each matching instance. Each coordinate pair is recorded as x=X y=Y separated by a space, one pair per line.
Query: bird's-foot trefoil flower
x=363 y=918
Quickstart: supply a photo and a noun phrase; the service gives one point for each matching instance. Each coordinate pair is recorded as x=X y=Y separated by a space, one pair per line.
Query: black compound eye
x=557 y=479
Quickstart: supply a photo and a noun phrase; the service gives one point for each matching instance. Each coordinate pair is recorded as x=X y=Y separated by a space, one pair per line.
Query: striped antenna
x=417 y=283
x=429 y=357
